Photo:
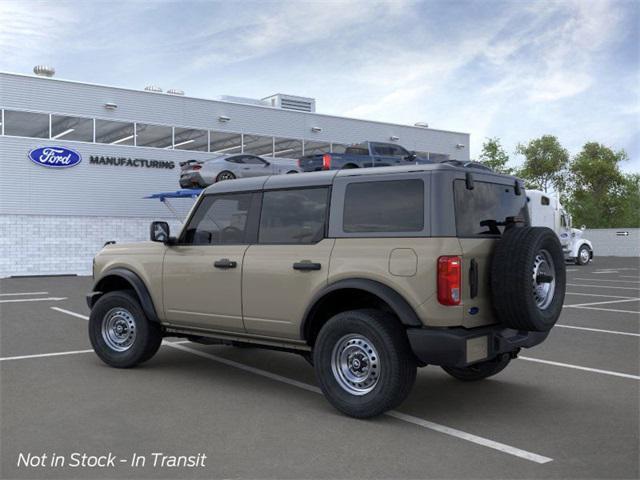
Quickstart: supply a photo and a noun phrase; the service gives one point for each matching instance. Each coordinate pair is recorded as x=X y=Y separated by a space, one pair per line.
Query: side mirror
x=266 y=164
x=583 y=227
x=159 y=232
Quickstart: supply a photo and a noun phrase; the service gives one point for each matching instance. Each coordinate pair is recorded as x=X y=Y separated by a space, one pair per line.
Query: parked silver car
x=202 y=173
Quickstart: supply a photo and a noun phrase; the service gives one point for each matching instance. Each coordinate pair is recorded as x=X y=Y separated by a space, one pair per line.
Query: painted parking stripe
x=595 y=295
x=632 y=299
x=42 y=355
x=579 y=367
x=23 y=293
x=533 y=457
x=603 y=286
x=47 y=299
x=615 y=332
x=607 y=280
x=628 y=276
x=613 y=310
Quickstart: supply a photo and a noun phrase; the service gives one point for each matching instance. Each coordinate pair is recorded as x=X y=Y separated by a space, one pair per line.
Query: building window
x=71 y=128
x=157 y=136
x=293 y=216
x=287 y=148
x=258 y=145
x=26 y=124
x=314 y=148
x=114 y=133
x=384 y=206
x=191 y=139
x=225 y=143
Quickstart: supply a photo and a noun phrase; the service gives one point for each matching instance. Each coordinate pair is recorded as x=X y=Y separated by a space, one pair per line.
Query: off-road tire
x=512 y=278
x=396 y=368
x=579 y=260
x=148 y=335
x=479 y=371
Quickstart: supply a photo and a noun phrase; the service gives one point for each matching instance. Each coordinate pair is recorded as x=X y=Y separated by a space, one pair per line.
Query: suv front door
x=202 y=274
x=289 y=264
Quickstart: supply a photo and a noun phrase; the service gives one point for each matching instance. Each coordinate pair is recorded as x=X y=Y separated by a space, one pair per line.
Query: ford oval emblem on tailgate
x=55 y=157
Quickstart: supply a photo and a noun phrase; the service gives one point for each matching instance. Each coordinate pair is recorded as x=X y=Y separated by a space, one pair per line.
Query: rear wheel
x=225 y=175
x=480 y=370
x=363 y=362
x=584 y=255
x=119 y=331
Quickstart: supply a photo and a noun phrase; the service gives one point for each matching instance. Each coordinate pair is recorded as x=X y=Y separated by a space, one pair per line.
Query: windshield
x=484 y=210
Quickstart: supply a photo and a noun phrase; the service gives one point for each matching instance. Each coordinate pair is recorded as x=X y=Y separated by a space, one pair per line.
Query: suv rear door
x=290 y=262
x=202 y=274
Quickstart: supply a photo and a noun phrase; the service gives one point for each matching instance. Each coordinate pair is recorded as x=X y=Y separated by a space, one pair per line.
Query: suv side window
x=384 y=206
x=219 y=219
x=293 y=216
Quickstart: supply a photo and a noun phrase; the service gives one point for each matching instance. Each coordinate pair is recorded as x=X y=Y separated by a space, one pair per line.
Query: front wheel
x=584 y=255
x=479 y=371
x=119 y=331
x=363 y=362
x=225 y=175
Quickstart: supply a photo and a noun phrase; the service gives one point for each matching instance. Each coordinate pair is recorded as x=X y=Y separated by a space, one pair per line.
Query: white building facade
x=128 y=145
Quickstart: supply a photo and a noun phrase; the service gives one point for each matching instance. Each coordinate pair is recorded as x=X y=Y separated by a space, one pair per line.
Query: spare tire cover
x=528 y=278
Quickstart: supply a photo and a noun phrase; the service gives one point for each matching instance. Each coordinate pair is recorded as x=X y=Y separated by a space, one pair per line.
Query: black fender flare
x=406 y=314
x=132 y=279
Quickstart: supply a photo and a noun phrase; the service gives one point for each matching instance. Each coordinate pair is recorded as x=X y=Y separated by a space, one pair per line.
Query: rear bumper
x=460 y=347
x=190 y=180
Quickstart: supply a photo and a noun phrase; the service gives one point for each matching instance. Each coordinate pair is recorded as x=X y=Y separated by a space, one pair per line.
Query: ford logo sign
x=55 y=157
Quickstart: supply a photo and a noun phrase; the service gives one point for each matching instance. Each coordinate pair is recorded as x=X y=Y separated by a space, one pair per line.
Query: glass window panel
x=438 y=157
x=384 y=206
x=287 y=148
x=227 y=143
x=71 y=128
x=258 y=145
x=26 y=124
x=313 y=148
x=157 y=136
x=190 y=139
x=293 y=216
x=113 y=132
x=339 y=148
x=219 y=219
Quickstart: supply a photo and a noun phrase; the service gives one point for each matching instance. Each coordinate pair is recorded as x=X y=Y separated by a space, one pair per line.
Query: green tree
x=601 y=196
x=545 y=163
x=494 y=156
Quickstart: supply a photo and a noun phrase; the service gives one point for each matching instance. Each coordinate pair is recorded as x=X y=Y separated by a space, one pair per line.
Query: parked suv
x=368 y=273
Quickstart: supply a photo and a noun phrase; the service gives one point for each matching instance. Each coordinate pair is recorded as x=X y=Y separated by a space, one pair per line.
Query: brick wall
x=48 y=245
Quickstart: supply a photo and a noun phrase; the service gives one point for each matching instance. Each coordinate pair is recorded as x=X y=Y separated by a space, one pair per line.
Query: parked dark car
x=362 y=155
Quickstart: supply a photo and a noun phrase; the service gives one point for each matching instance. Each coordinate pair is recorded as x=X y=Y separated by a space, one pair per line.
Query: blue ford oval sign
x=55 y=157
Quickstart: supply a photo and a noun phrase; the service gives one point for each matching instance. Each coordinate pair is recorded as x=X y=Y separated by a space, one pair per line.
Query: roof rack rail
x=468 y=164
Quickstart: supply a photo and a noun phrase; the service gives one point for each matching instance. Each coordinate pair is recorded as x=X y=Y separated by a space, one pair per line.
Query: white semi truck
x=546 y=211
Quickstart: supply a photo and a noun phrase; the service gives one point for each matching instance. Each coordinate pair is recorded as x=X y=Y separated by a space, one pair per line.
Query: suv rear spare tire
x=528 y=278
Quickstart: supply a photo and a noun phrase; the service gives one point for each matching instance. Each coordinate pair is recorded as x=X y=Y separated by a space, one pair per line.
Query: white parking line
x=603 y=286
x=48 y=299
x=23 y=293
x=601 y=303
x=595 y=295
x=68 y=312
x=578 y=367
x=610 y=310
x=485 y=442
x=628 y=276
x=605 y=272
x=607 y=280
x=598 y=330
x=42 y=355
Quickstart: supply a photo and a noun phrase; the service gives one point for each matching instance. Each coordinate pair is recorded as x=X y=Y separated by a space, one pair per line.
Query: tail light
x=196 y=167
x=449 y=280
x=326 y=161
x=299 y=163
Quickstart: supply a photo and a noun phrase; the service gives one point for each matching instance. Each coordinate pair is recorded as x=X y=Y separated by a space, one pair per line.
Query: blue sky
x=514 y=70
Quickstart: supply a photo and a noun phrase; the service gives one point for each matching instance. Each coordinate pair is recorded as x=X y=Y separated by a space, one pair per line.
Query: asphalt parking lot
x=566 y=409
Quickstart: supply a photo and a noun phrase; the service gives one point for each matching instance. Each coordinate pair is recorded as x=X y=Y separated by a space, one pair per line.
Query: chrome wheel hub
x=544 y=280
x=119 y=329
x=584 y=255
x=355 y=364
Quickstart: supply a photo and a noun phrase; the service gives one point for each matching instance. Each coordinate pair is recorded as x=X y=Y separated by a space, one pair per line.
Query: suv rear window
x=478 y=210
x=384 y=206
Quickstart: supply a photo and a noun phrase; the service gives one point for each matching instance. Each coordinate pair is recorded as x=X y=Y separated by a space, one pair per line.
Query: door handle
x=225 y=263
x=306 y=265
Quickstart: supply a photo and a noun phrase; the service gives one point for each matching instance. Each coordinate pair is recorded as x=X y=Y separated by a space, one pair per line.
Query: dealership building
x=127 y=144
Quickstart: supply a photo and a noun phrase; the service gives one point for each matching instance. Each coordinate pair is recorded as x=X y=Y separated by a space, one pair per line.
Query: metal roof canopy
x=184 y=193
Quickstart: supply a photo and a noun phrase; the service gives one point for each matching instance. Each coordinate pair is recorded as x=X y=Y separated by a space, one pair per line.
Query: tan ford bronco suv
x=368 y=273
